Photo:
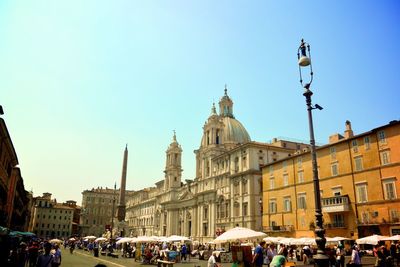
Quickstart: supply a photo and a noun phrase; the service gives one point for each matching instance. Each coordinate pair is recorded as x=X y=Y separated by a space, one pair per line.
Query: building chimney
x=348 y=132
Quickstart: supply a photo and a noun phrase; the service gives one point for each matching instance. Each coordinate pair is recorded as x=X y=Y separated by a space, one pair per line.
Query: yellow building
x=359 y=179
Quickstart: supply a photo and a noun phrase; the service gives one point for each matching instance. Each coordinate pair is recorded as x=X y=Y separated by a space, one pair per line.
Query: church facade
x=226 y=190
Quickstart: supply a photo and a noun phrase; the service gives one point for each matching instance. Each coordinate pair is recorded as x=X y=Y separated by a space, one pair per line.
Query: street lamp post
x=304 y=60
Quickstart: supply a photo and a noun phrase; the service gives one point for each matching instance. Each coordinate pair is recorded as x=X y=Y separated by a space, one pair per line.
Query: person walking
x=56 y=256
x=355 y=257
x=258 y=258
x=183 y=252
x=212 y=262
x=46 y=259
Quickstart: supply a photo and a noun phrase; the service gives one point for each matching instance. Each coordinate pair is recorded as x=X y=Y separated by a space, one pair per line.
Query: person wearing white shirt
x=211 y=261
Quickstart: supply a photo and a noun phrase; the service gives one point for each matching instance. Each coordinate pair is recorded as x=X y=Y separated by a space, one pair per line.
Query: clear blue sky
x=80 y=79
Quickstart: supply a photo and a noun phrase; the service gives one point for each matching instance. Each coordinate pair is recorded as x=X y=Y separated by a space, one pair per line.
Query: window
x=245 y=205
x=389 y=188
x=205 y=229
x=300 y=176
x=394 y=215
x=333 y=152
x=271 y=183
x=236 y=164
x=365 y=217
x=355 y=146
x=299 y=162
x=244 y=185
x=358 y=163
x=301 y=201
x=272 y=206
x=271 y=170
x=285 y=179
x=367 y=143
x=338 y=220
x=287 y=205
x=284 y=165
x=205 y=213
x=382 y=137
x=236 y=209
x=334 y=169
x=361 y=193
x=236 y=188
x=337 y=191
x=385 y=157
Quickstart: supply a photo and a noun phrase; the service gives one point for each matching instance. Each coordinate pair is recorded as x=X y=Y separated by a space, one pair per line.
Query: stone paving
x=81 y=258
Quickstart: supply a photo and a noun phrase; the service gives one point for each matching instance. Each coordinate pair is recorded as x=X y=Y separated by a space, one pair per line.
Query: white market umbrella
x=144 y=239
x=126 y=240
x=392 y=238
x=371 y=240
x=177 y=238
x=239 y=234
x=336 y=239
x=272 y=239
x=72 y=239
x=100 y=239
x=55 y=240
x=90 y=237
x=303 y=241
x=286 y=241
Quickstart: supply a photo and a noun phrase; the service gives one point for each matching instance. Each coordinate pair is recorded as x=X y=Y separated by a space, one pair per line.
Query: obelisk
x=121 y=201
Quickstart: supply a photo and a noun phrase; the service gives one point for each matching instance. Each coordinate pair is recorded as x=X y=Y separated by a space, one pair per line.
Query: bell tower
x=173 y=166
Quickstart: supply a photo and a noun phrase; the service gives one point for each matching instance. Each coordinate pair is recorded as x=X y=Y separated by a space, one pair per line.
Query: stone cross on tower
x=121 y=201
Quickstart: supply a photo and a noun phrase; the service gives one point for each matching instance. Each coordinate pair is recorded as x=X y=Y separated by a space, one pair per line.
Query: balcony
x=336 y=204
x=278 y=228
x=338 y=224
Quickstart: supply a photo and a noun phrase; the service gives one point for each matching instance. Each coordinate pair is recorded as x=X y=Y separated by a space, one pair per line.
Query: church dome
x=223 y=128
x=234 y=132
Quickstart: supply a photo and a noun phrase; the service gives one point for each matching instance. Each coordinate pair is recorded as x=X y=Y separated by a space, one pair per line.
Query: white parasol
x=336 y=239
x=177 y=238
x=126 y=240
x=146 y=239
x=272 y=239
x=55 y=240
x=371 y=240
x=239 y=234
x=392 y=238
x=100 y=239
x=90 y=237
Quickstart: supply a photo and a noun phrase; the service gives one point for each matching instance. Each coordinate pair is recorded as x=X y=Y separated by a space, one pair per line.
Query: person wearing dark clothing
x=258 y=258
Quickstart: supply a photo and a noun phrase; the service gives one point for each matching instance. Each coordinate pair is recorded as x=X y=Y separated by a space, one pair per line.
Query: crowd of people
x=33 y=253
x=37 y=252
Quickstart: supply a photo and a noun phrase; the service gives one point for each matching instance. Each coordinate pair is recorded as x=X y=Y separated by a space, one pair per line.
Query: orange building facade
x=359 y=180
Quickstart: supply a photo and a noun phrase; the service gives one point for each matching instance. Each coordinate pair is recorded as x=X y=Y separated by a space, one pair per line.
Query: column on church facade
x=212 y=220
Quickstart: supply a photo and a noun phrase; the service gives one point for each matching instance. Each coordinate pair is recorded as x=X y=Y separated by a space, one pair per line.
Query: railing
x=335 y=225
x=278 y=228
x=335 y=204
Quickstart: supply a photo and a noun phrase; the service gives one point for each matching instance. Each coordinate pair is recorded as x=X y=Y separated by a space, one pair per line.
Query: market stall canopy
x=272 y=239
x=18 y=233
x=392 y=238
x=145 y=239
x=336 y=239
x=55 y=240
x=239 y=234
x=126 y=240
x=100 y=239
x=90 y=237
x=177 y=238
x=371 y=240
